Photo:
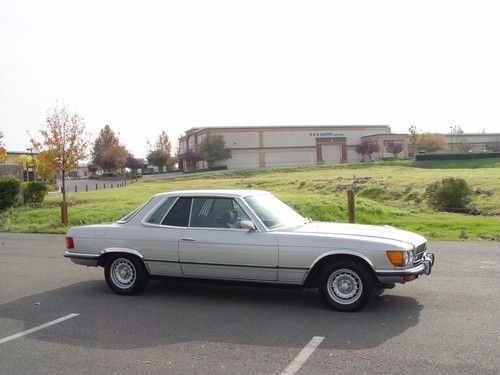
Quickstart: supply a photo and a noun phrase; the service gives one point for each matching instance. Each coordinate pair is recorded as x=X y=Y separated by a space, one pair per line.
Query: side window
x=161 y=211
x=179 y=214
x=217 y=213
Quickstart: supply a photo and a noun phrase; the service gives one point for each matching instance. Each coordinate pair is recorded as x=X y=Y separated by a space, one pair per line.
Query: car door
x=215 y=246
x=161 y=233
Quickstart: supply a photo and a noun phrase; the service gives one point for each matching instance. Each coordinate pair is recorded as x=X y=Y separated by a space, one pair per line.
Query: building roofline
x=384 y=134
x=273 y=127
x=469 y=134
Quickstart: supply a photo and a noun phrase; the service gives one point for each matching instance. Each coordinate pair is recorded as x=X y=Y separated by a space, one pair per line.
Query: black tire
x=346 y=278
x=133 y=277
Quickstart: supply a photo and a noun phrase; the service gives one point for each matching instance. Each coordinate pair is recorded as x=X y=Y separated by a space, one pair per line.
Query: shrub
x=9 y=190
x=461 y=156
x=449 y=194
x=34 y=192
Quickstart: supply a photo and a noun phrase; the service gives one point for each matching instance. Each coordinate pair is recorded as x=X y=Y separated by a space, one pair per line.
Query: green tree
x=431 y=142
x=213 y=148
x=160 y=154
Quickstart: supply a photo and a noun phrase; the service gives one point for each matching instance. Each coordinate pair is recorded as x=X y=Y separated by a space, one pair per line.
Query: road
x=448 y=322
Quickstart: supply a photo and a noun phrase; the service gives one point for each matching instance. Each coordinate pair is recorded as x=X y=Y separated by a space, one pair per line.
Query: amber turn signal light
x=396 y=258
x=69 y=242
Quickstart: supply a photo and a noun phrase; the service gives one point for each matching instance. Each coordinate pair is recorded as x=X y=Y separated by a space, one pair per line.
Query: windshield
x=273 y=212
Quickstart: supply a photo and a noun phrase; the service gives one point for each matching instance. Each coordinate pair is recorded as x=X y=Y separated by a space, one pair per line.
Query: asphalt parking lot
x=448 y=322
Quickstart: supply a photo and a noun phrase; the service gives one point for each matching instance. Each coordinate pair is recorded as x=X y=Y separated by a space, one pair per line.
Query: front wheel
x=346 y=285
x=125 y=274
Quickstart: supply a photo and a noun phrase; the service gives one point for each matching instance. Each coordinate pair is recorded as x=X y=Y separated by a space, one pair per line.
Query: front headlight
x=400 y=258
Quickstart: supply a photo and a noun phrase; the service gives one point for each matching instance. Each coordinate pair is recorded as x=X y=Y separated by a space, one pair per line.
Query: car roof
x=216 y=192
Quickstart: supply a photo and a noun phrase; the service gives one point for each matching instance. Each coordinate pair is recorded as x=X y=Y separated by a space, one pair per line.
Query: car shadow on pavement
x=171 y=311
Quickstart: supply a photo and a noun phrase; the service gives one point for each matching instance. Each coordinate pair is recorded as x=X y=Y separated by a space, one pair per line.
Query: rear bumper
x=397 y=276
x=82 y=259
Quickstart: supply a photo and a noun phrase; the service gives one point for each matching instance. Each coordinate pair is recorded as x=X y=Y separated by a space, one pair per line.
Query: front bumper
x=397 y=276
x=82 y=259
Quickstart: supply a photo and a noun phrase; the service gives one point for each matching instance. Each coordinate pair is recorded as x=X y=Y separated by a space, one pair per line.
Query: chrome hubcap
x=123 y=273
x=344 y=286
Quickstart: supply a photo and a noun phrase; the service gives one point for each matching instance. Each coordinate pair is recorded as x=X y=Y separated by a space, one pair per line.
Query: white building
x=281 y=146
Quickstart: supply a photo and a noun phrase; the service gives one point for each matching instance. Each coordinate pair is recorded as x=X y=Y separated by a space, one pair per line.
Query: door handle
x=188 y=239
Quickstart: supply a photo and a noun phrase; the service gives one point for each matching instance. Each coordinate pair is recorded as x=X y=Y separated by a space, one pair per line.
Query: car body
x=248 y=235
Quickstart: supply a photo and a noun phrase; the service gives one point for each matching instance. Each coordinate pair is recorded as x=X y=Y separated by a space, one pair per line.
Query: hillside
x=386 y=194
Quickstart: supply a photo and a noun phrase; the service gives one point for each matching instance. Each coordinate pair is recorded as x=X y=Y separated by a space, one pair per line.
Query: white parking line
x=302 y=357
x=37 y=328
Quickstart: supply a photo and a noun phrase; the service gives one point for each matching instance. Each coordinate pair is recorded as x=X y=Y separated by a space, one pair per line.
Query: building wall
x=256 y=147
x=478 y=142
x=11 y=171
x=286 y=157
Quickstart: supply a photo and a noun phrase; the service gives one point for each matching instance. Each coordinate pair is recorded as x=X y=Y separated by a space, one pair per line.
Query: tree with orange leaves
x=3 y=152
x=45 y=168
x=64 y=139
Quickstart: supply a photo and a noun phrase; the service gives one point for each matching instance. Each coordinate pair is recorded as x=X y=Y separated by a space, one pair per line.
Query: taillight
x=69 y=243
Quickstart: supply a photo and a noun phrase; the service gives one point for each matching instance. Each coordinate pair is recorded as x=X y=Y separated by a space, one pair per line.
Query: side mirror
x=247 y=224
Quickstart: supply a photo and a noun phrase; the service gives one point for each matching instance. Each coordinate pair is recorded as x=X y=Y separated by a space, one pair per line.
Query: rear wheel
x=125 y=274
x=346 y=285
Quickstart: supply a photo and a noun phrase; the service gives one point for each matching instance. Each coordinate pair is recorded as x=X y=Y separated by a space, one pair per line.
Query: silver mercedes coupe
x=248 y=235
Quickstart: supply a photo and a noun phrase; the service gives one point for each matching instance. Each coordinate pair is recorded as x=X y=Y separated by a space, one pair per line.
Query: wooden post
x=96 y=187
x=111 y=186
x=64 y=213
x=86 y=187
x=351 y=206
x=104 y=186
x=76 y=191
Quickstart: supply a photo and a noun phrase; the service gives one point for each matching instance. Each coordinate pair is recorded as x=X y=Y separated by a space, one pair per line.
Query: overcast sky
x=147 y=66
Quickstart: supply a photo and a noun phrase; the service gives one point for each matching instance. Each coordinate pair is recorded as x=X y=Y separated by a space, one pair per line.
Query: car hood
x=358 y=230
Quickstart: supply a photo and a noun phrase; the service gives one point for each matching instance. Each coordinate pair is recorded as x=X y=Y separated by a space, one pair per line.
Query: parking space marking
x=37 y=328
x=303 y=356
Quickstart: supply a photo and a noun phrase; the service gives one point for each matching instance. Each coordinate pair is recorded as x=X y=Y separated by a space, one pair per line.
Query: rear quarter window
x=157 y=216
x=178 y=216
x=131 y=214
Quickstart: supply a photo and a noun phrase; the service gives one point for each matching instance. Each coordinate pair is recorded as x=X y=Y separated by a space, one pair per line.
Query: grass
x=386 y=193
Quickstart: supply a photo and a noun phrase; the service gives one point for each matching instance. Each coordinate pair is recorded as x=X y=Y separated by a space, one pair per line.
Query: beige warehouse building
x=281 y=146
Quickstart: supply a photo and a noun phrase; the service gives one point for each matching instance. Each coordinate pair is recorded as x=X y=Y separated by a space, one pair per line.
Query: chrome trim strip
x=190 y=212
x=226 y=265
x=404 y=272
x=125 y=250
x=68 y=254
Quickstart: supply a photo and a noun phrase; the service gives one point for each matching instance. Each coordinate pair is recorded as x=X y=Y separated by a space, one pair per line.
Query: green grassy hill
x=386 y=194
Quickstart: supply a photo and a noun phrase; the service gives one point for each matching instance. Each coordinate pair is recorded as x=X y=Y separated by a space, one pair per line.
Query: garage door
x=331 y=153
